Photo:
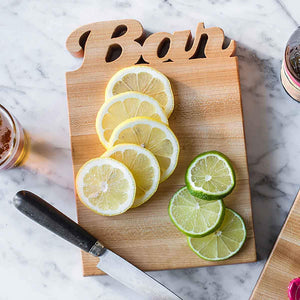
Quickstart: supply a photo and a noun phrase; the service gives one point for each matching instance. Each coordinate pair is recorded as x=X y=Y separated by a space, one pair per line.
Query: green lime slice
x=226 y=241
x=210 y=176
x=193 y=216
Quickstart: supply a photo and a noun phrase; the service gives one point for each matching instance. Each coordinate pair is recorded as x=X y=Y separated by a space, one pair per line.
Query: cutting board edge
x=246 y=154
x=224 y=263
x=255 y=291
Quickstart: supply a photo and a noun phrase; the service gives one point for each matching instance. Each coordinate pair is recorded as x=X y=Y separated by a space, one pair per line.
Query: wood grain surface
x=207 y=116
x=283 y=264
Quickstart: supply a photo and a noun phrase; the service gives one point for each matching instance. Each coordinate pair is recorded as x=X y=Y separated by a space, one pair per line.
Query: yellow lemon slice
x=142 y=164
x=106 y=186
x=125 y=106
x=152 y=135
x=145 y=80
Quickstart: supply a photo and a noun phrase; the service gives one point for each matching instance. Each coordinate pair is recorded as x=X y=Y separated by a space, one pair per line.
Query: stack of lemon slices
x=142 y=150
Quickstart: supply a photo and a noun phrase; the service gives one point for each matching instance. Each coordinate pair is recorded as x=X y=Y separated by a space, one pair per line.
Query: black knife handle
x=48 y=216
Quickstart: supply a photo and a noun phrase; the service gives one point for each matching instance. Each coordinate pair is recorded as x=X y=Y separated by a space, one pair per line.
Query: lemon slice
x=152 y=135
x=106 y=186
x=144 y=167
x=125 y=106
x=145 y=80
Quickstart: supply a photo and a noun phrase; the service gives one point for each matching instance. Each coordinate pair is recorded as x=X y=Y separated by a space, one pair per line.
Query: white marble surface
x=35 y=264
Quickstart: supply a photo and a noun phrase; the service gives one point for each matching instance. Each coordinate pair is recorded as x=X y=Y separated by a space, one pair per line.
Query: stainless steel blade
x=123 y=271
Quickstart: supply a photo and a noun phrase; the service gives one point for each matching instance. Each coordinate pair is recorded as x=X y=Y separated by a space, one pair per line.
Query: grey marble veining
x=35 y=264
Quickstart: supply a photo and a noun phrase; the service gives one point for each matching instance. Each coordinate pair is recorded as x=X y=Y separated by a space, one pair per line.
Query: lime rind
x=210 y=239
x=199 y=191
x=191 y=213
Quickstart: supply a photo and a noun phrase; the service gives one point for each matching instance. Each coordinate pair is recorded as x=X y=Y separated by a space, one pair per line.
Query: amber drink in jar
x=14 y=142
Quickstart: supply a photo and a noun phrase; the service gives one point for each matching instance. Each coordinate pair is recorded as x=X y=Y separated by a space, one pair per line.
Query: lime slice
x=226 y=241
x=210 y=176
x=193 y=216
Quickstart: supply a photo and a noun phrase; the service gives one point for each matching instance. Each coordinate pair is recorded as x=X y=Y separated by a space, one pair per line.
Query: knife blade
x=112 y=264
x=118 y=268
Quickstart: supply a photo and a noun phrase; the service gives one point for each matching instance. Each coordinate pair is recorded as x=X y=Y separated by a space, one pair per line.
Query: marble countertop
x=35 y=264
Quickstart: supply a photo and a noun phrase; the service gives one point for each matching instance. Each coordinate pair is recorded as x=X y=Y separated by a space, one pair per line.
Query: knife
x=112 y=264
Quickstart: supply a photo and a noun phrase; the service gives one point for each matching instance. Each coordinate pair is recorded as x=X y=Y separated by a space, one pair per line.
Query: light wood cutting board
x=207 y=116
x=283 y=264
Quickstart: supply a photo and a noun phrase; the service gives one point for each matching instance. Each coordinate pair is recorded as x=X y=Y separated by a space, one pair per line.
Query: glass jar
x=290 y=71
x=14 y=143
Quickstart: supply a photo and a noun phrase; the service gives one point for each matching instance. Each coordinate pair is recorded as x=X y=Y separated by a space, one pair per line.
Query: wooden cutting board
x=283 y=264
x=207 y=116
